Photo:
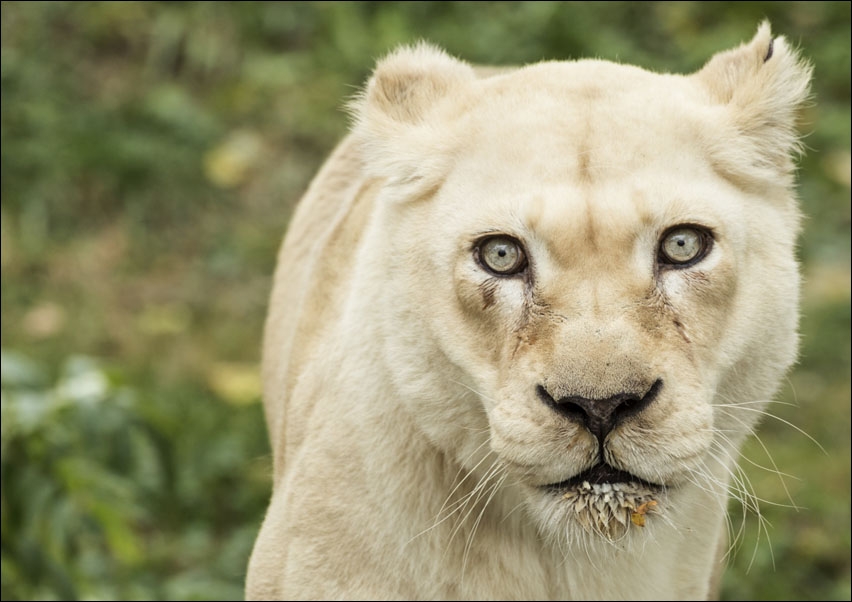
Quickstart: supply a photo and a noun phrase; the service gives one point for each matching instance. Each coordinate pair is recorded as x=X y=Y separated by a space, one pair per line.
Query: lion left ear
x=762 y=84
x=394 y=122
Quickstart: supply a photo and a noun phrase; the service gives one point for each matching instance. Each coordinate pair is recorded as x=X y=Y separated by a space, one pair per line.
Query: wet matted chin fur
x=608 y=509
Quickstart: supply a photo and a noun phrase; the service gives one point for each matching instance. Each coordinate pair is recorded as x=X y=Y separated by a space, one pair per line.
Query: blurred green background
x=151 y=155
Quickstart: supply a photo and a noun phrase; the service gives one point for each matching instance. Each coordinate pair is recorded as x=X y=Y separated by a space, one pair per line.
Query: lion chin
x=604 y=502
x=609 y=509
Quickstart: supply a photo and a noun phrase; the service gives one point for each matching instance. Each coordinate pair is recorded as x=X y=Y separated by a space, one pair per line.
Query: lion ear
x=762 y=84
x=393 y=114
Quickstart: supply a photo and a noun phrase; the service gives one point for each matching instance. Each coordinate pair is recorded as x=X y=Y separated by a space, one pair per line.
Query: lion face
x=594 y=349
x=601 y=342
x=601 y=285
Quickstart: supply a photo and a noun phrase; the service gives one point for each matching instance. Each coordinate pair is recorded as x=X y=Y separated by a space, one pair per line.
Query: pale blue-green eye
x=683 y=246
x=502 y=255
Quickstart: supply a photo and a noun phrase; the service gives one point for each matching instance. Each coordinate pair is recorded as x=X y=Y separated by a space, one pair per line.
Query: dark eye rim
x=705 y=235
x=522 y=264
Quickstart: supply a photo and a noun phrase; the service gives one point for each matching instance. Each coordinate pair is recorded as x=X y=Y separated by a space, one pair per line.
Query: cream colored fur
x=411 y=445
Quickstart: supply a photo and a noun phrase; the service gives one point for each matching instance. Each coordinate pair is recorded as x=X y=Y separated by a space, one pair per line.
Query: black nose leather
x=600 y=416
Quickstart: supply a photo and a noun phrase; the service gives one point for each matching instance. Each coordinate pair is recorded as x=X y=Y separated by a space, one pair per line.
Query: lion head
x=587 y=269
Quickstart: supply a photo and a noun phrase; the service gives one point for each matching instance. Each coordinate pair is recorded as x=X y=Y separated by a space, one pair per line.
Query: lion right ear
x=761 y=85
x=394 y=116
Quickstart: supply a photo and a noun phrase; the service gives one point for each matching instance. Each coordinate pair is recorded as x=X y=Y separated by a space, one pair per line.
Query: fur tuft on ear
x=762 y=84
x=391 y=115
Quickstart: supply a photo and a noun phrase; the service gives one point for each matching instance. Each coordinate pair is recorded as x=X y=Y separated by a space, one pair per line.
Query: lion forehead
x=560 y=120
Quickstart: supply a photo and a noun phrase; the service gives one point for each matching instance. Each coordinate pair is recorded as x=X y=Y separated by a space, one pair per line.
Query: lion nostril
x=601 y=415
x=563 y=406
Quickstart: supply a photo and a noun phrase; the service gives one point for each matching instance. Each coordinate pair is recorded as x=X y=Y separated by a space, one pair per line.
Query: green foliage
x=151 y=154
x=109 y=494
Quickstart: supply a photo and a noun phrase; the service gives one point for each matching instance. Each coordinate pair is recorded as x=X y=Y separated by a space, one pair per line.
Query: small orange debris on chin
x=638 y=515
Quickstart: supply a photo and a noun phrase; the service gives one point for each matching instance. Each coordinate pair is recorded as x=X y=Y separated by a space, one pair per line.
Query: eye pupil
x=683 y=246
x=501 y=255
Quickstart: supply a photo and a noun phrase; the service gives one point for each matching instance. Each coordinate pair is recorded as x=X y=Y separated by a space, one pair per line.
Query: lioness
x=522 y=323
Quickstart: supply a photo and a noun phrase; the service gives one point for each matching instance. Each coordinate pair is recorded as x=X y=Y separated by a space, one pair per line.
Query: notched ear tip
x=764 y=31
x=766 y=44
x=765 y=65
x=762 y=44
x=769 y=50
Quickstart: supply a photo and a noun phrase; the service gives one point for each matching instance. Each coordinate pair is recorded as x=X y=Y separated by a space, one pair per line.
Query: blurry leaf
x=172 y=106
x=275 y=71
x=118 y=529
x=201 y=585
x=82 y=381
x=167 y=33
x=44 y=320
x=236 y=383
x=236 y=549
x=827 y=283
x=17 y=370
x=228 y=164
x=838 y=166
x=25 y=411
x=164 y=319
x=147 y=463
x=108 y=498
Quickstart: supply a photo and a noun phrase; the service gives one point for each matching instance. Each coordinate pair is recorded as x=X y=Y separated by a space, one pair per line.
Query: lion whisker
x=493 y=490
x=779 y=419
x=768 y=455
x=737 y=490
x=458 y=503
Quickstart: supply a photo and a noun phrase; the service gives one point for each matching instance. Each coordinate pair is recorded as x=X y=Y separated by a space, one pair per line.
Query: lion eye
x=502 y=255
x=684 y=245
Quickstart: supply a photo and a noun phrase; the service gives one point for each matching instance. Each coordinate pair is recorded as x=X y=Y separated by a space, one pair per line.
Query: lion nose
x=600 y=416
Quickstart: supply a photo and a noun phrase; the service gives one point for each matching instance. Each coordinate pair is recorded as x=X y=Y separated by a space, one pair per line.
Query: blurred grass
x=151 y=155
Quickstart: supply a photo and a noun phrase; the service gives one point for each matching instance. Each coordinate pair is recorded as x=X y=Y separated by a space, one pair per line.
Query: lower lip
x=601 y=477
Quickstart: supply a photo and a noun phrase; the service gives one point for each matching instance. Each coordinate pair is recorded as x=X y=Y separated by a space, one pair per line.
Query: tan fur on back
x=564 y=430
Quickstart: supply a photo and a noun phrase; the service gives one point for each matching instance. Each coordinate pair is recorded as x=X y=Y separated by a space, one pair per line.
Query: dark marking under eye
x=488 y=289
x=681 y=330
x=658 y=302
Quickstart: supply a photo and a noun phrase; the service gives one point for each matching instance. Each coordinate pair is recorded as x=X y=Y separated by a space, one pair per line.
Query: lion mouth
x=607 y=501
x=599 y=475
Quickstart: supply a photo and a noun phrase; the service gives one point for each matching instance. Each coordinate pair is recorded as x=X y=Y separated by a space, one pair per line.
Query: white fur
x=400 y=376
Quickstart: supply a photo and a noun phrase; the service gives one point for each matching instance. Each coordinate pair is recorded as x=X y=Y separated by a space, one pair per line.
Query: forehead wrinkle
x=563 y=220
x=643 y=209
x=534 y=212
x=585 y=161
x=563 y=210
x=593 y=226
x=590 y=225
